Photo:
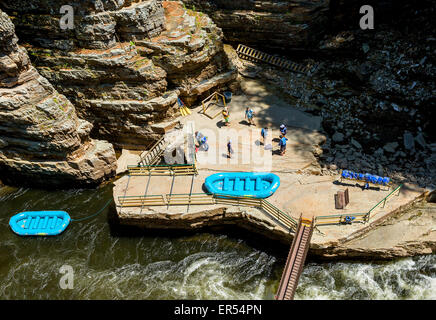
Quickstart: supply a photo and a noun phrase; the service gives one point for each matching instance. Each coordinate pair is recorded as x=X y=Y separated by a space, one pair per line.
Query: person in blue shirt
x=283 y=130
x=249 y=113
x=263 y=134
x=282 y=144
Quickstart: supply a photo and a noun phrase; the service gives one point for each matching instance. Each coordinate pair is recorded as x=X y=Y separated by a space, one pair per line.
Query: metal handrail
x=385 y=198
x=162 y=165
x=366 y=216
x=282 y=217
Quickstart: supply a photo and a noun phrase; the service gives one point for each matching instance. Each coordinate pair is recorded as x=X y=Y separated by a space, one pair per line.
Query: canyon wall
x=295 y=25
x=124 y=63
x=268 y=24
x=42 y=140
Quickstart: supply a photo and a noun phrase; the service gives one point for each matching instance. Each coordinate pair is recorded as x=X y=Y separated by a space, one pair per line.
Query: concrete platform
x=298 y=194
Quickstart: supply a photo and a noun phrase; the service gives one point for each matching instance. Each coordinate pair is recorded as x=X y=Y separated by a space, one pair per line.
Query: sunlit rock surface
x=124 y=63
x=42 y=141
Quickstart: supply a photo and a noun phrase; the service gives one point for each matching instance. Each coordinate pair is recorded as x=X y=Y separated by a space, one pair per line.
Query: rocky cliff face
x=125 y=63
x=42 y=141
x=295 y=25
x=268 y=24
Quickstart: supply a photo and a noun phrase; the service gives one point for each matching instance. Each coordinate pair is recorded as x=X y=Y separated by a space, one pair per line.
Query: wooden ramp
x=251 y=54
x=295 y=262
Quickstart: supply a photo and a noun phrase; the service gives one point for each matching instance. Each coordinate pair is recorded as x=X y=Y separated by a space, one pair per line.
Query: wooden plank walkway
x=295 y=262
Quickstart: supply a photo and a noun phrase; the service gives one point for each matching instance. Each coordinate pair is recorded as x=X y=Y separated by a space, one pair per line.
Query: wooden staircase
x=295 y=262
x=251 y=54
x=152 y=156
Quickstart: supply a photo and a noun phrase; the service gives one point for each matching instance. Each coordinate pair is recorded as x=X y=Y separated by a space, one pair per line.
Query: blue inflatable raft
x=243 y=184
x=39 y=223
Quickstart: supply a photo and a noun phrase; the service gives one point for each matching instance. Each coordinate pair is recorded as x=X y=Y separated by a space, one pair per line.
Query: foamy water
x=202 y=266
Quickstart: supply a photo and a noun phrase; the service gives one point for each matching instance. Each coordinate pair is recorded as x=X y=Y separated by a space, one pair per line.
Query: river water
x=201 y=266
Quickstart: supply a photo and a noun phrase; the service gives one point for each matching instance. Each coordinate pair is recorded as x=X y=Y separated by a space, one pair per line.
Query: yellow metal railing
x=163 y=170
x=216 y=96
x=208 y=199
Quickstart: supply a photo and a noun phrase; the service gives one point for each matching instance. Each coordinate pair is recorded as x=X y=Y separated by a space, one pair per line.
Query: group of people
x=282 y=141
x=249 y=115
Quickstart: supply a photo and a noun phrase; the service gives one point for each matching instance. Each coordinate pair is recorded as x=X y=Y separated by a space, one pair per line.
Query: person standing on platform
x=282 y=144
x=264 y=134
x=226 y=115
x=249 y=114
x=229 y=149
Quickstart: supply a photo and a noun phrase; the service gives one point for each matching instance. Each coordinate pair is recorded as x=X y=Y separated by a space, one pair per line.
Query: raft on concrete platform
x=243 y=184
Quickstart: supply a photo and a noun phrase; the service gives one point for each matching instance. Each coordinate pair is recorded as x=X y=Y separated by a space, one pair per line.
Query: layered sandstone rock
x=125 y=63
x=42 y=141
x=268 y=24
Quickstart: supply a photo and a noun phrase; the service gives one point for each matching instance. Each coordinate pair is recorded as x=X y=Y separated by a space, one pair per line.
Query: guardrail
x=142 y=201
x=163 y=170
x=340 y=218
x=265 y=205
x=385 y=199
x=208 y=199
x=355 y=217
x=189 y=199
x=279 y=215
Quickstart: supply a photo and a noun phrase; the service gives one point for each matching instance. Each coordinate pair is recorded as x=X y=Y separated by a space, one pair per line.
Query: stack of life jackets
x=369 y=178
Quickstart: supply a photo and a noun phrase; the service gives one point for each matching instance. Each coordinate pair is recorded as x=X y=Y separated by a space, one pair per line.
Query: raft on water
x=39 y=223
x=243 y=184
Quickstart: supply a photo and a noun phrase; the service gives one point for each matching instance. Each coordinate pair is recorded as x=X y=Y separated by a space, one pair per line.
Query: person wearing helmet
x=249 y=113
x=203 y=144
x=283 y=130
